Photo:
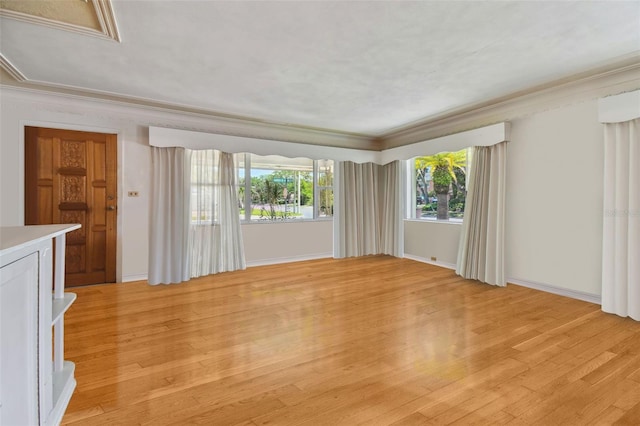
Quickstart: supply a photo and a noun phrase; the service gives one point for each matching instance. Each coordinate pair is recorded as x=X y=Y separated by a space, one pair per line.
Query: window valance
x=484 y=136
x=619 y=108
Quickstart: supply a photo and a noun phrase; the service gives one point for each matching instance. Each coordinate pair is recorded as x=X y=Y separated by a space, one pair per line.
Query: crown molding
x=107 y=19
x=104 y=12
x=622 y=76
x=163 y=115
x=14 y=72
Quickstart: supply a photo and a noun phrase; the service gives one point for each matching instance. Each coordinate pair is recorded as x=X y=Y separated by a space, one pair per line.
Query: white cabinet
x=19 y=333
x=35 y=382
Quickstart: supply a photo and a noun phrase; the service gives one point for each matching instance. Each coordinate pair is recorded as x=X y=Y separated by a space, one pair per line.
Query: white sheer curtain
x=215 y=232
x=368 y=209
x=621 y=224
x=169 y=218
x=481 y=249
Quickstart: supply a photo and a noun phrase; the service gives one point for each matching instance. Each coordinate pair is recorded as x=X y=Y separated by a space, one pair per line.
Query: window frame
x=248 y=201
x=317 y=188
x=413 y=191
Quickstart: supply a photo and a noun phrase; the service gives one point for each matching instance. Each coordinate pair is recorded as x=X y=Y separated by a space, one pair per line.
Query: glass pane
x=281 y=188
x=239 y=158
x=441 y=186
x=203 y=172
x=325 y=202
x=325 y=173
x=203 y=204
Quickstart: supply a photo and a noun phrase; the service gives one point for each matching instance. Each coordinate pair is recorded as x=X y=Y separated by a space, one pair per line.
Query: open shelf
x=32 y=363
x=60 y=306
x=63 y=385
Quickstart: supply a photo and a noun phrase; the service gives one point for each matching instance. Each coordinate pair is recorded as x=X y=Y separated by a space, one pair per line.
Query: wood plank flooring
x=373 y=341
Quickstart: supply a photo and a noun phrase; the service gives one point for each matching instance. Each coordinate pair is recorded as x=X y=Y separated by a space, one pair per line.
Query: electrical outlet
x=433 y=258
x=133 y=194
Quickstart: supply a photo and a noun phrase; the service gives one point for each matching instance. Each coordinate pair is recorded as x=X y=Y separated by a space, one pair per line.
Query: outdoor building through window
x=277 y=188
x=269 y=188
x=440 y=189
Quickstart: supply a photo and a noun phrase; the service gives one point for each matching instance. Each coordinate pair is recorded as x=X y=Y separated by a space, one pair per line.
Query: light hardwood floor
x=374 y=340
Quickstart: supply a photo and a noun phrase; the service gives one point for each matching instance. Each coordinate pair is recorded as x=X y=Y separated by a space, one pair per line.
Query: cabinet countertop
x=16 y=237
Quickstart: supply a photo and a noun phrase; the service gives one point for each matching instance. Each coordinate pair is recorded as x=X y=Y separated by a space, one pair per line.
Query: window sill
x=267 y=221
x=456 y=222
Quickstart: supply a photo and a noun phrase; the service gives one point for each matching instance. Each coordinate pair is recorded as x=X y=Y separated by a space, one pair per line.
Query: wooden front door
x=70 y=177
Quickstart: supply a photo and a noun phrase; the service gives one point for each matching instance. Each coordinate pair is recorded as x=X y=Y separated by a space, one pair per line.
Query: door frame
x=119 y=178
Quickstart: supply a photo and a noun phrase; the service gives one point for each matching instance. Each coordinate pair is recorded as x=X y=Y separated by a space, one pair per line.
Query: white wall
x=554 y=198
x=425 y=239
x=553 y=204
x=267 y=243
x=19 y=108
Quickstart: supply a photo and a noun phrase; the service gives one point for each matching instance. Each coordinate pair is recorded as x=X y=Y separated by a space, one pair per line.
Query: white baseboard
x=430 y=262
x=278 y=260
x=138 y=277
x=573 y=294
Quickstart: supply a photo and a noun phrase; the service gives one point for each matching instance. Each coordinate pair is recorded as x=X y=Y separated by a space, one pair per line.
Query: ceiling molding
x=611 y=79
x=107 y=18
x=204 y=121
x=14 y=72
x=185 y=109
x=104 y=12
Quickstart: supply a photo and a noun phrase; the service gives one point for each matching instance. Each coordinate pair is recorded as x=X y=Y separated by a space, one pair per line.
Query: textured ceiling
x=360 y=67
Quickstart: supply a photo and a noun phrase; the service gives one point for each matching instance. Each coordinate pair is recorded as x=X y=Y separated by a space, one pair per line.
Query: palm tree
x=271 y=194
x=442 y=167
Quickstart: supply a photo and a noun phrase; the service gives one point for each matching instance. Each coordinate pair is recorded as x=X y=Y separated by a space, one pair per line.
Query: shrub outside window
x=276 y=188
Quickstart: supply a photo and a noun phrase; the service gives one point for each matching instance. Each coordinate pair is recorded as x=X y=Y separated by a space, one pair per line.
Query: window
x=440 y=188
x=273 y=188
x=204 y=169
x=324 y=188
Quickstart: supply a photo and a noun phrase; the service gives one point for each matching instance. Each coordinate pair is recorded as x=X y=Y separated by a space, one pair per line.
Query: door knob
x=111 y=207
